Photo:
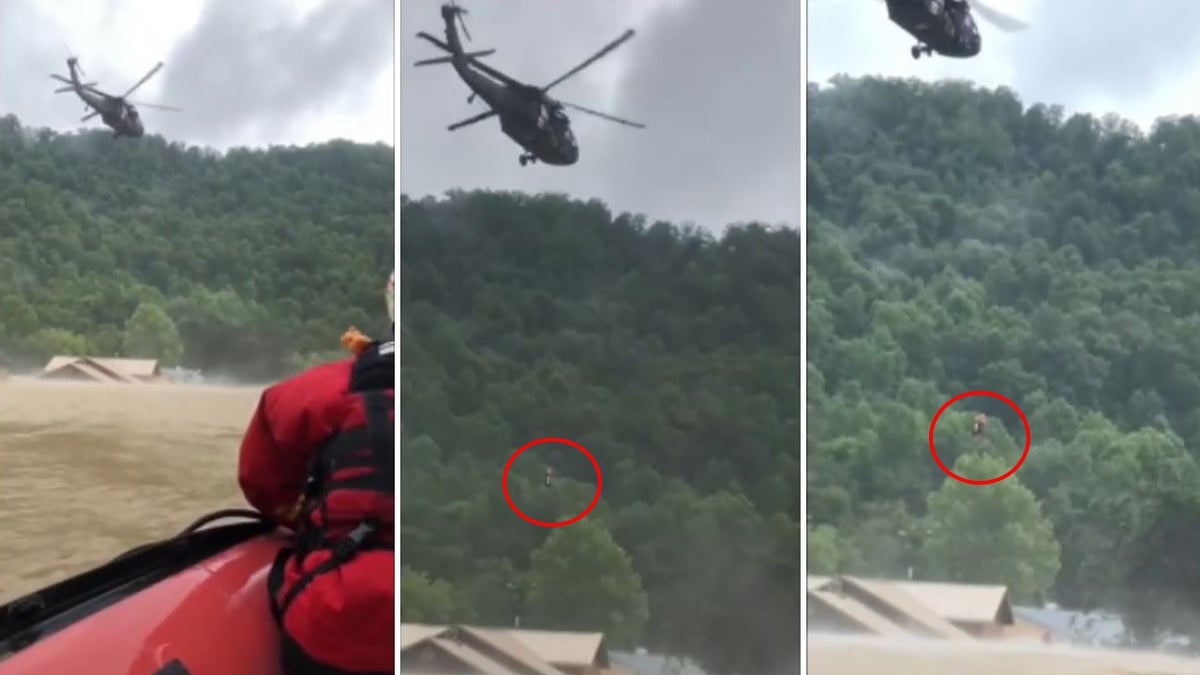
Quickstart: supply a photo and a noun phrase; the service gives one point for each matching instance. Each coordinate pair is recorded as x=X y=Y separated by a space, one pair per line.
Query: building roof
x=475 y=659
x=1090 y=628
x=105 y=369
x=962 y=602
x=900 y=603
x=412 y=633
x=504 y=642
x=856 y=613
x=564 y=648
x=536 y=650
x=131 y=367
x=87 y=369
x=817 y=581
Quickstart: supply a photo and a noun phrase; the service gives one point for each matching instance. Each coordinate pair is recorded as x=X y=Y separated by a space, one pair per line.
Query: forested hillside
x=958 y=240
x=672 y=355
x=245 y=265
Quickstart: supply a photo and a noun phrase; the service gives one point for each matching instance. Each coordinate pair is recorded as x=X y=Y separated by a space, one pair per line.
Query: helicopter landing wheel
x=523 y=160
x=915 y=51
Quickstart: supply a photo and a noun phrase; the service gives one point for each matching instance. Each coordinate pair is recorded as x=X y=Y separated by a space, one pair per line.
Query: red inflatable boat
x=195 y=604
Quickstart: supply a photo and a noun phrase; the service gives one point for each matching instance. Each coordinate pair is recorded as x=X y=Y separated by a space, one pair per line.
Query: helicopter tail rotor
x=459 y=13
x=73 y=60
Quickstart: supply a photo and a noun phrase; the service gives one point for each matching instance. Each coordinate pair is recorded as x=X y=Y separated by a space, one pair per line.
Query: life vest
x=359 y=459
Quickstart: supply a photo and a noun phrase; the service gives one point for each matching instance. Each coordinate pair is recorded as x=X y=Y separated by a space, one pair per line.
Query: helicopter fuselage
x=944 y=27
x=116 y=114
x=122 y=118
x=530 y=118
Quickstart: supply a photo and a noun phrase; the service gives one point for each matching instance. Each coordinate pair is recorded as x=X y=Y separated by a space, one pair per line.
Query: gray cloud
x=247 y=67
x=721 y=80
x=717 y=83
x=29 y=52
x=1122 y=49
x=248 y=72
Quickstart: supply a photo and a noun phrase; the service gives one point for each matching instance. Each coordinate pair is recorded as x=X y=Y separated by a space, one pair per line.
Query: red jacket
x=333 y=595
x=293 y=419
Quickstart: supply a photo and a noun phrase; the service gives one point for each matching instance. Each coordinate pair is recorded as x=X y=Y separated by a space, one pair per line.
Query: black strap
x=381 y=436
x=343 y=451
x=343 y=550
x=173 y=667
x=275 y=580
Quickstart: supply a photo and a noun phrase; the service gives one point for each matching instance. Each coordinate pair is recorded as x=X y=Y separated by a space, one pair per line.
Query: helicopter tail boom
x=450 y=59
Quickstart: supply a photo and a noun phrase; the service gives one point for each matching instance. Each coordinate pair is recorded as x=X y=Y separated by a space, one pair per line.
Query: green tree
x=254 y=254
x=669 y=352
x=989 y=533
x=827 y=553
x=425 y=600
x=959 y=239
x=582 y=580
x=150 y=333
x=49 y=342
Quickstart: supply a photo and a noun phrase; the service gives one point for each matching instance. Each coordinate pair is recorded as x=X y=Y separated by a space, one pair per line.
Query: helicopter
x=536 y=122
x=115 y=111
x=946 y=27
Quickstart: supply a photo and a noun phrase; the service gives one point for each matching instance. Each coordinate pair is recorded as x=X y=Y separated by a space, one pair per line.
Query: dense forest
x=247 y=264
x=673 y=355
x=960 y=240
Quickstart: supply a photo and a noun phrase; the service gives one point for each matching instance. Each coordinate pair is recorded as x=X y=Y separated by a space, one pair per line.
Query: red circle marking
x=970 y=481
x=551 y=439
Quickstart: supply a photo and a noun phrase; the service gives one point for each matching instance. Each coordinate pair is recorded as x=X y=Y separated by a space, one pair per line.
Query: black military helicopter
x=946 y=27
x=115 y=111
x=535 y=121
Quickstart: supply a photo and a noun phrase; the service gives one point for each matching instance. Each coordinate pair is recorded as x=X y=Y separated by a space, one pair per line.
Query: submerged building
x=109 y=370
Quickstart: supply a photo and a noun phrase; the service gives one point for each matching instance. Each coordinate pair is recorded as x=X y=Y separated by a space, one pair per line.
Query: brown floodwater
x=844 y=655
x=91 y=470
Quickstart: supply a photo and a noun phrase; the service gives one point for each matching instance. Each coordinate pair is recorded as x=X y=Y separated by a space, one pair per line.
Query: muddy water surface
x=90 y=470
x=835 y=655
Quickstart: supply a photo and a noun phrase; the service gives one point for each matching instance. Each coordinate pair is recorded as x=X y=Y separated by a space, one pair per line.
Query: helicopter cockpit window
x=558 y=118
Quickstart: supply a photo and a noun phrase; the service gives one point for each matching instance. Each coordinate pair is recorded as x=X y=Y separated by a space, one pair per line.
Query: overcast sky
x=717 y=83
x=246 y=72
x=1138 y=58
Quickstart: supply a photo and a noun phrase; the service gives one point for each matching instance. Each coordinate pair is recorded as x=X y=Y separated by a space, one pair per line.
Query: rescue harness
x=370 y=450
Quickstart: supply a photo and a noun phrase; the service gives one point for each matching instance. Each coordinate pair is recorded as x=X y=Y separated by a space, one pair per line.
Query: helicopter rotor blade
x=997 y=18
x=471 y=120
x=606 y=116
x=89 y=116
x=142 y=81
x=450 y=59
x=156 y=106
x=474 y=63
x=595 y=57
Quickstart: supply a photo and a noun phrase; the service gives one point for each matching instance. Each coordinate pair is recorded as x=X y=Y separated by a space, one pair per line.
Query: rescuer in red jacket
x=319 y=457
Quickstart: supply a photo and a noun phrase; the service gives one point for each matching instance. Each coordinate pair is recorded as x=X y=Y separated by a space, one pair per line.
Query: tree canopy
x=672 y=355
x=247 y=264
x=958 y=240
